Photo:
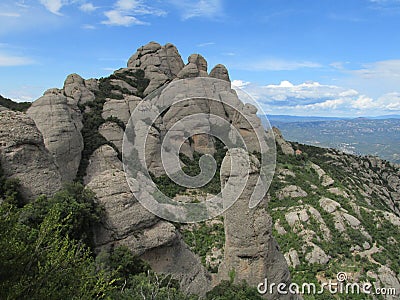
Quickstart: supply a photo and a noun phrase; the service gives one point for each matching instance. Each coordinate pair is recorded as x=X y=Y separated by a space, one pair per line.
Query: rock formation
x=325 y=197
x=24 y=156
x=60 y=124
x=251 y=252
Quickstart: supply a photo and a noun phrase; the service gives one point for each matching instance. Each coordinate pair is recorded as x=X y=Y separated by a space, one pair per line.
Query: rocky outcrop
x=24 y=156
x=220 y=72
x=113 y=133
x=197 y=67
x=160 y=63
x=285 y=146
x=128 y=223
x=291 y=191
x=251 y=251
x=121 y=109
x=60 y=124
x=192 y=96
x=76 y=91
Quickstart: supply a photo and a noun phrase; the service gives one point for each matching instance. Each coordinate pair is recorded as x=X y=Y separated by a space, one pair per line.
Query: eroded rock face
x=75 y=89
x=250 y=248
x=284 y=145
x=128 y=223
x=220 y=72
x=24 y=156
x=113 y=133
x=121 y=109
x=60 y=125
x=160 y=63
x=192 y=96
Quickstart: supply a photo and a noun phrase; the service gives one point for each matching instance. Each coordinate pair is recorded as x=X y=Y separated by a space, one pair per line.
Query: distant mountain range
x=378 y=136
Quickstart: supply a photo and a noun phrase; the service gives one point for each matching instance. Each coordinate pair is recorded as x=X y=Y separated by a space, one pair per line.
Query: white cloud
x=239 y=83
x=53 y=6
x=10 y=14
x=314 y=98
x=374 y=78
x=198 y=8
x=118 y=18
x=125 y=13
x=380 y=69
x=391 y=101
x=278 y=65
x=13 y=60
x=88 y=26
x=205 y=44
x=87 y=7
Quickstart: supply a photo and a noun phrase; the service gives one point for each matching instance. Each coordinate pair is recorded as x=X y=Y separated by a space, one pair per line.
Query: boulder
x=329 y=205
x=160 y=63
x=317 y=256
x=76 y=90
x=60 y=125
x=291 y=191
x=220 y=72
x=24 y=156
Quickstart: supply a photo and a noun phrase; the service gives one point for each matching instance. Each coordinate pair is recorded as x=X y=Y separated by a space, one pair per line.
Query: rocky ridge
x=328 y=210
x=79 y=131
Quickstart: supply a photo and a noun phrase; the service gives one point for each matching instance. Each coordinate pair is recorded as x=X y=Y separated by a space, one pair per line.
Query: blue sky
x=308 y=57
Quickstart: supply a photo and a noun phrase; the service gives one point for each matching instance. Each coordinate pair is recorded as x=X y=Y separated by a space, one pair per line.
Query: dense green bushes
x=44 y=255
x=10 y=190
x=18 y=106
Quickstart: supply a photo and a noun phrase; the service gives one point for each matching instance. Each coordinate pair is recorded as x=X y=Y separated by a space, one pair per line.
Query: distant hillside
x=10 y=104
x=364 y=136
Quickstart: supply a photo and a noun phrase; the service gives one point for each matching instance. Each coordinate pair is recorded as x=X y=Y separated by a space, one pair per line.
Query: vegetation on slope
x=18 y=106
x=92 y=114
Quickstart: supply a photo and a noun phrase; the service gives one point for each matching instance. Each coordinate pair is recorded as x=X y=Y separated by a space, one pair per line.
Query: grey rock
x=24 y=156
x=103 y=159
x=189 y=71
x=250 y=248
x=284 y=145
x=124 y=85
x=121 y=109
x=329 y=205
x=160 y=63
x=113 y=133
x=292 y=258
x=75 y=89
x=60 y=125
x=178 y=260
x=220 y=72
x=317 y=256
x=291 y=191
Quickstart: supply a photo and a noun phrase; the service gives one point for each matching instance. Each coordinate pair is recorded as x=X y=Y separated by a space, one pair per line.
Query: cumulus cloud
x=314 y=98
x=239 y=83
x=125 y=13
